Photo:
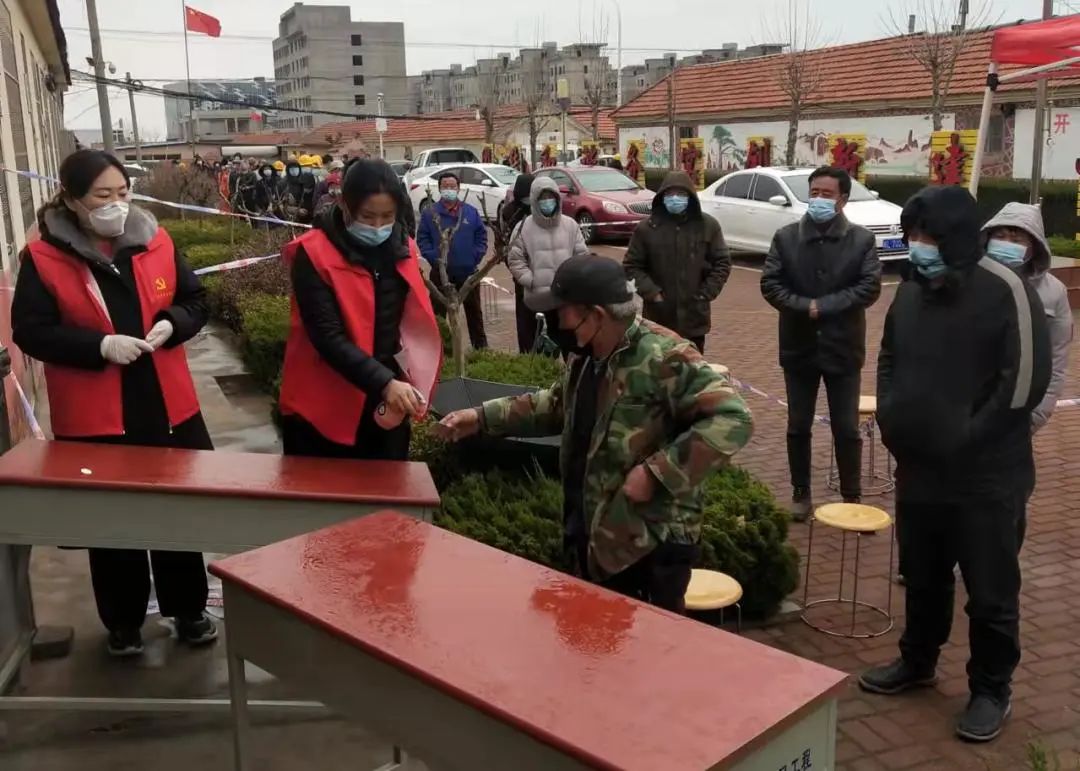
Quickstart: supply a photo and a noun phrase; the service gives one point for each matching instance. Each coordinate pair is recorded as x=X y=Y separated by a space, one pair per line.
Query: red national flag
x=197 y=21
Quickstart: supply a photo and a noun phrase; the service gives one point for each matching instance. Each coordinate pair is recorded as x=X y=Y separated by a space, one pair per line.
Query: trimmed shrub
x=228 y=289
x=264 y=328
x=510 y=368
x=1065 y=246
x=744 y=532
x=193 y=232
x=207 y=255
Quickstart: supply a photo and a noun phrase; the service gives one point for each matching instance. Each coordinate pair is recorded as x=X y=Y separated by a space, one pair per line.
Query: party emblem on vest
x=161 y=285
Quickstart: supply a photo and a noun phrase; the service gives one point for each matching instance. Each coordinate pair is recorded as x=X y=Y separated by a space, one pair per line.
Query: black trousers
x=372 y=442
x=842 y=391
x=526 y=321
x=121 y=579
x=660 y=578
x=699 y=343
x=984 y=538
x=474 y=315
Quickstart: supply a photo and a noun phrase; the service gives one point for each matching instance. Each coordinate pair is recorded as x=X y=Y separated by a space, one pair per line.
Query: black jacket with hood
x=683 y=259
x=837 y=266
x=39 y=332
x=370 y=371
x=964 y=360
x=298 y=192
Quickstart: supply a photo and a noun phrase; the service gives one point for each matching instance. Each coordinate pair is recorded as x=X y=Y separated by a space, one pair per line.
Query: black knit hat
x=591 y=280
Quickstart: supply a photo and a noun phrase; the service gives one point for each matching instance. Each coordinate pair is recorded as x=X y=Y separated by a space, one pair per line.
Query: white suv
x=751 y=205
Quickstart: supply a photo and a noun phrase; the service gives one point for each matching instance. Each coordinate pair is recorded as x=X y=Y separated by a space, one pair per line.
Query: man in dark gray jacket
x=822 y=273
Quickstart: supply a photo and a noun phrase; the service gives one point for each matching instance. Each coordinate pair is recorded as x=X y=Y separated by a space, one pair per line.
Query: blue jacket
x=469 y=246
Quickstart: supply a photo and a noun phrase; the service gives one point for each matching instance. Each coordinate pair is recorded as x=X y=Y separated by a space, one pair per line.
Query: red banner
x=1041 y=42
x=197 y=21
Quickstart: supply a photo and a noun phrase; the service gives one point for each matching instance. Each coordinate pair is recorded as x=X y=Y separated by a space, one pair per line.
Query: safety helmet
x=279 y=166
x=316 y=161
x=305 y=160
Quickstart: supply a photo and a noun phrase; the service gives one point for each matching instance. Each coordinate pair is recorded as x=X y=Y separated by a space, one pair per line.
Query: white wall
x=1063 y=152
x=899 y=145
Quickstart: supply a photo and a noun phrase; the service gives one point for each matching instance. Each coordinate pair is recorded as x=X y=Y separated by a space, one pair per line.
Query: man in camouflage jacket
x=643 y=418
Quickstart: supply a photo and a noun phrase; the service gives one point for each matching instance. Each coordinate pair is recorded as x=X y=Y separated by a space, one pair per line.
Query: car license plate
x=893 y=243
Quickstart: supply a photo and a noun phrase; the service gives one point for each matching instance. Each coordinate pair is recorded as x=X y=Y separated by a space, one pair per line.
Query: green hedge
x=201 y=256
x=263 y=332
x=193 y=232
x=744 y=534
x=1065 y=246
x=509 y=368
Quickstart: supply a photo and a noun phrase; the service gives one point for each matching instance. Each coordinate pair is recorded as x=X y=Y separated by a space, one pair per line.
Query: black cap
x=591 y=281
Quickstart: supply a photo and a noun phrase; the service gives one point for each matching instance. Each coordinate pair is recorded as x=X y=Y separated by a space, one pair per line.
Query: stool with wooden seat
x=874 y=482
x=860 y=520
x=712 y=590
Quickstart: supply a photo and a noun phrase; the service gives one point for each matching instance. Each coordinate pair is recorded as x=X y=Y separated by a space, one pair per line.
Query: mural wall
x=896 y=145
x=657 y=141
x=1060 y=155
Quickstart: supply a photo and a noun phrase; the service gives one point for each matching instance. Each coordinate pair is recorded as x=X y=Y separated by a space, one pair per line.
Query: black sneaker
x=125 y=643
x=894 y=678
x=802 y=504
x=983 y=719
x=200 y=630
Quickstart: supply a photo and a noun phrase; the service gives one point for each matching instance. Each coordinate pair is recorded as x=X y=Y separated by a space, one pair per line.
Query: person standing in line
x=544 y=241
x=679 y=261
x=965 y=360
x=821 y=274
x=467 y=248
x=363 y=353
x=644 y=420
x=514 y=212
x=106 y=302
x=1015 y=237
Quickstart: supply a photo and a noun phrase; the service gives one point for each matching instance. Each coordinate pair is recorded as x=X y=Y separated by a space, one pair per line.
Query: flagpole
x=191 y=100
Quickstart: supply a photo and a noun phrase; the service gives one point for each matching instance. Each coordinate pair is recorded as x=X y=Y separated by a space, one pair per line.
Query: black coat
x=370 y=371
x=838 y=267
x=38 y=331
x=683 y=259
x=964 y=360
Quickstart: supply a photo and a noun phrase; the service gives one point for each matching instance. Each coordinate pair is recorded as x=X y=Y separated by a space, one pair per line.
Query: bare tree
x=488 y=102
x=451 y=297
x=598 y=88
x=798 y=70
x=947 y=29
x=537 y=100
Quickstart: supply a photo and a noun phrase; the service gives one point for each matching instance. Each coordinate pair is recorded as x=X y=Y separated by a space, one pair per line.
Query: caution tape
x=235 y=264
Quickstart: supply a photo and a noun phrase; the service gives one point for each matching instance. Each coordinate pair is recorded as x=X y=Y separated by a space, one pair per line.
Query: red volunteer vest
x=313 y=389
x=84 y=403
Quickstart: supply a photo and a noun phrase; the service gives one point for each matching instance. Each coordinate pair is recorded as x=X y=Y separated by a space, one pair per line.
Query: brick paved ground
x=913 y=730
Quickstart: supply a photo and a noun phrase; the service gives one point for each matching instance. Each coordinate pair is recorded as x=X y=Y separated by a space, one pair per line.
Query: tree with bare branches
x=798 y=70
x=947 y=29
x=488 y=103
x=599 y=86
x=537 y=102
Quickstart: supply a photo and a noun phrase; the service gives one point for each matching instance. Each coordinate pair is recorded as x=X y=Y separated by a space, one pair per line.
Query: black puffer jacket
x=679 y=263
x=370 y=371
x=964 y=360
x=838 y=267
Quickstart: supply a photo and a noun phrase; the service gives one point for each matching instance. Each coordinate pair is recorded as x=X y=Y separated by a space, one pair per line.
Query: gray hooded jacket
x=540 y=245
x=1054 y=296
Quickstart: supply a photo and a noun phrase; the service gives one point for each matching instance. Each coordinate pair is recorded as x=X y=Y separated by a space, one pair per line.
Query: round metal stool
x=711 y=590
x=874 y=482
x=860 y=520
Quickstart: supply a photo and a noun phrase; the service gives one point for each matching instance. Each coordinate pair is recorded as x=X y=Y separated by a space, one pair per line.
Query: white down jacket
x=540 y=245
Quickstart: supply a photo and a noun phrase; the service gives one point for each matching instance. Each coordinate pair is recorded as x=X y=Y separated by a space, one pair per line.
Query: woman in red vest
x=106 y=303
x=364 y=350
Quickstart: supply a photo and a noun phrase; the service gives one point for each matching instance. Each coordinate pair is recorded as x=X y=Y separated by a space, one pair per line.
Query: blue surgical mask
x=294 y=171
x=548 y=206
x=450 y=196
x=676 y=203
x=368 y=235
x=1007 y=253
x=927 y=259
x=821 y=210
x=307 y=170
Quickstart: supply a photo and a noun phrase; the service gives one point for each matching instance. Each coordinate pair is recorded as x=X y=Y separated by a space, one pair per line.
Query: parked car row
x=750 y=205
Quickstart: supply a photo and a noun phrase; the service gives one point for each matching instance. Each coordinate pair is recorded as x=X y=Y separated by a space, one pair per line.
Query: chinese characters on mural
x=692 y=160
x=758 y=152
x=590 y=153
x=1061 y=123
x=515 y=160
x=845 y=155
x=548 y=157
x=634 y=168
x=947 y=166
x=799 y=764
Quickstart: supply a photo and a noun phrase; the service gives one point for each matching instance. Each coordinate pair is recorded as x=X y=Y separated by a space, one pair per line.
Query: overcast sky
x=146 y=37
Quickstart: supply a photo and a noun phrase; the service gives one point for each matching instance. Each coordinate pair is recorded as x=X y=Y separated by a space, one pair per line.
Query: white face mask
x=108 y=221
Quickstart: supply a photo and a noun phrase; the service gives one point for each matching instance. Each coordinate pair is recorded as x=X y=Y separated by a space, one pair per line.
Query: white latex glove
x=159 y=334
x=121 y=349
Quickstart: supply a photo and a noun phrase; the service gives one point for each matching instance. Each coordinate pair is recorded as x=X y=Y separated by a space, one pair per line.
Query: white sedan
x=751 y=205
x=483 y=185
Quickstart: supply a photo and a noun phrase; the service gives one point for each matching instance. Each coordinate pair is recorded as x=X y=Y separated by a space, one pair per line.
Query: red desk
x=74 y=494
x=471 y=658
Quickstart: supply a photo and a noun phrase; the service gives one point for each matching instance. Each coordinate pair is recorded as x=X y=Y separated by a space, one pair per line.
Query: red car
x=605 y=202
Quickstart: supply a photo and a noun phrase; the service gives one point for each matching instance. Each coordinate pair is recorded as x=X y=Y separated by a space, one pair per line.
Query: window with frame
x=766 y=187
x=995 y=134
x=358 y=80
x=357 y=40
x=358 y=60
x=737 y=186
x=687 y=132
x=360 y=100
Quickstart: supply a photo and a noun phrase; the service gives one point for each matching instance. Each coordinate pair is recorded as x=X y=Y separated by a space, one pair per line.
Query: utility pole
x=134 y=119
x=672 y=139
x=380 y=127
x=1040 y=123
x=99 y=76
